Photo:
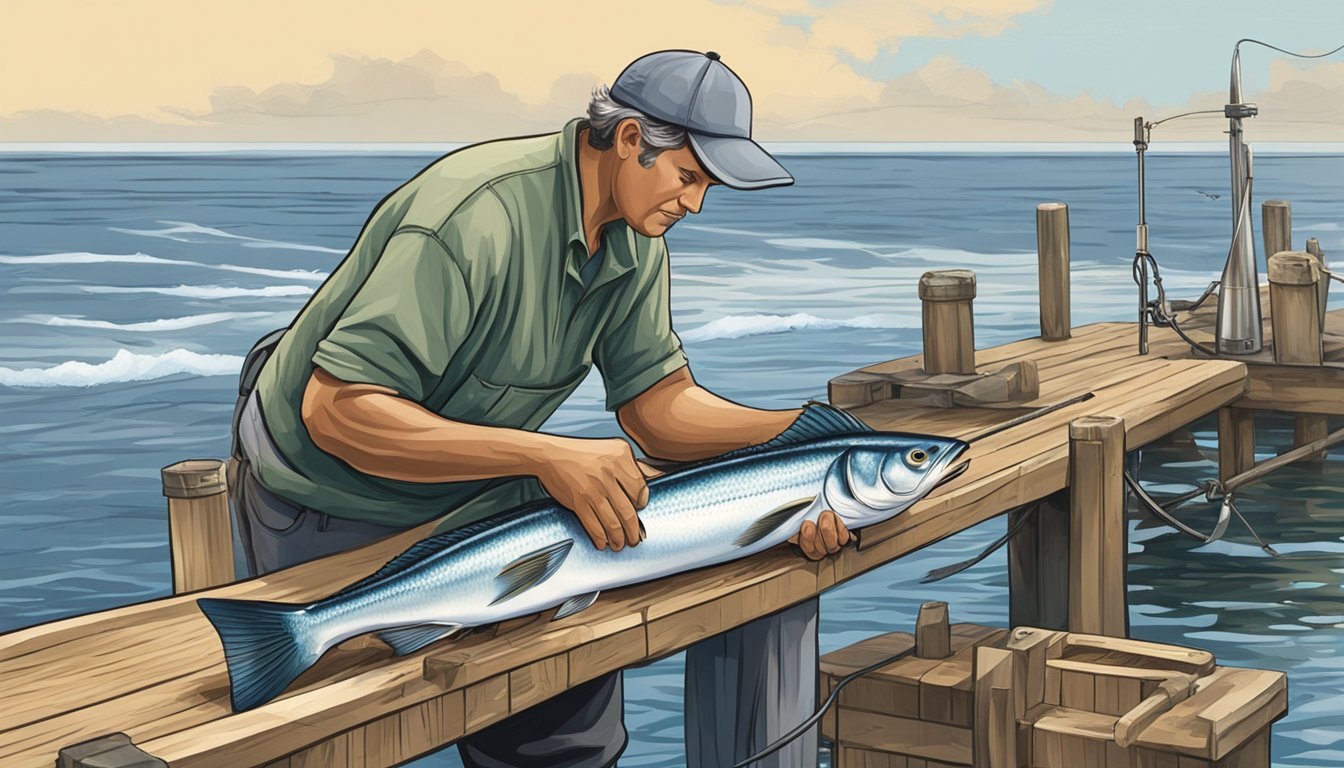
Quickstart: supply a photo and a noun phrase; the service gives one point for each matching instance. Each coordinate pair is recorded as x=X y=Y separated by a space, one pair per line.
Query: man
x=473 y=303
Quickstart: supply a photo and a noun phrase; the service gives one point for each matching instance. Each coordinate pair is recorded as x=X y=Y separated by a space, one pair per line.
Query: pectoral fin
x=575 y=604
x=772 y=520
x=530 y=570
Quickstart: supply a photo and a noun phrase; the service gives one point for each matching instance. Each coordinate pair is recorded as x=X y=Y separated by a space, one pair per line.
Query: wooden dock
x=155 y=671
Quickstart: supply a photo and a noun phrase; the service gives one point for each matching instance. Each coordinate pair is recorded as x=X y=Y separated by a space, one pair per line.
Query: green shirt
x=463 y=293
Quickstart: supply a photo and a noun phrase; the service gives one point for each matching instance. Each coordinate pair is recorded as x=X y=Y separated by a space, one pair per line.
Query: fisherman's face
x=651 y=200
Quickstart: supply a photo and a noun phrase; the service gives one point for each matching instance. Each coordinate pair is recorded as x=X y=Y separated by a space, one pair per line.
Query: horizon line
x=779 y=147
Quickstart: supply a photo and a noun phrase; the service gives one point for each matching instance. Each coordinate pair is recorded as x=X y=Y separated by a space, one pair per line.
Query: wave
x=205 y=291
x=737 y=326
x=141 y=258
x=124 y=366
x=150 y=326
x=176 y=230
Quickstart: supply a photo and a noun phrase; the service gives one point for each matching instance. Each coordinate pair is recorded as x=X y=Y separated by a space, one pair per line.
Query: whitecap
x=141 y=258
x=124 y=366
x=176 y=230
x=205 y=291
x=148 y=326
x=737 y=326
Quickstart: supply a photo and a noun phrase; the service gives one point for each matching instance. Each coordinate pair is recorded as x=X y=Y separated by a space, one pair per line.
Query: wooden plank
x=537 y=682
x=607 y=655
x=917 y=738
x=1294 y=389
x=486 y=702
x=1229 y=709
x=1077 y=690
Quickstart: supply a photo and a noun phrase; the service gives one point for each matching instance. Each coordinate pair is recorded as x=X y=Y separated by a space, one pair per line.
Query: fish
x=537 y=556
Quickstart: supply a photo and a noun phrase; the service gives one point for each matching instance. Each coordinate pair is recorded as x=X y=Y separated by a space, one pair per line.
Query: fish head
x=879 y=478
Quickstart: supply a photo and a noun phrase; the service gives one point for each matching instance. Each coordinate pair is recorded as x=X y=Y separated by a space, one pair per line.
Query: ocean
x=132 y=282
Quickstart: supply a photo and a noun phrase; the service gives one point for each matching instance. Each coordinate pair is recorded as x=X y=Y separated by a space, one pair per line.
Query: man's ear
x=628 y=136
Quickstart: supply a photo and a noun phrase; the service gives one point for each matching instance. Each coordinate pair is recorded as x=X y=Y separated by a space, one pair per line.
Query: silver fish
x=537 y=556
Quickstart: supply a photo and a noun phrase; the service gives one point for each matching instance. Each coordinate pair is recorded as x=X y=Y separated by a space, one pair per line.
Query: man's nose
x=692 y=199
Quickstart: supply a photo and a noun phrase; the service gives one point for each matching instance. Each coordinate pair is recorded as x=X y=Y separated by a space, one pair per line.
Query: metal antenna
x=1239 y=318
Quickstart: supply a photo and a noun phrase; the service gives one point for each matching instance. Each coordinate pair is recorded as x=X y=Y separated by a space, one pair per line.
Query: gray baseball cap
x=696 y=91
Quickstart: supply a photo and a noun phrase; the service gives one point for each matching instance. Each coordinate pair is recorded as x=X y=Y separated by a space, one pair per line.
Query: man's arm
x=378 y=432
x=679 y=420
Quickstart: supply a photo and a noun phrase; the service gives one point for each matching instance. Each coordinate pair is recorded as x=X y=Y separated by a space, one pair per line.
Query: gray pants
x=751 y=685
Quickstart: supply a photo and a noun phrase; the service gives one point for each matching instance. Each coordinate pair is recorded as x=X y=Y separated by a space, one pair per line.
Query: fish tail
x=266 y=646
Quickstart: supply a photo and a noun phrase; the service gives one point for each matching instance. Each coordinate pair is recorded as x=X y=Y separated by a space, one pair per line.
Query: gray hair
x=656 y=136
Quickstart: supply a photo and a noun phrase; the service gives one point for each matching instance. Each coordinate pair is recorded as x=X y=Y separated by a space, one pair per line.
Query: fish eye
x=916 y=458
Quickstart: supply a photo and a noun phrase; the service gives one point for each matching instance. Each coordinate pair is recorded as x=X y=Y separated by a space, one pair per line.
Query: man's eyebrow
x=688 y=172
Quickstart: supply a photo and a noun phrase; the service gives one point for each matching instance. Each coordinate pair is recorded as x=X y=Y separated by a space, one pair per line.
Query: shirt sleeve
x=639 y=347
x=405 y=322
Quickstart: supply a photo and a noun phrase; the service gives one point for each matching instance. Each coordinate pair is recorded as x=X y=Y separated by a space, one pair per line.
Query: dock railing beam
x=199 y=527
x=1097 y=533
x=949 y=328
x=1052 y=257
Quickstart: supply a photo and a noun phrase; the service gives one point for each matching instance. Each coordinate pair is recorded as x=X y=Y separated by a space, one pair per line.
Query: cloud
x=518 y=67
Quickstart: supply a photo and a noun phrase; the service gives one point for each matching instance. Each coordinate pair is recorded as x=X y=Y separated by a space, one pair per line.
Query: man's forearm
x=379 y=433
x=680 y=421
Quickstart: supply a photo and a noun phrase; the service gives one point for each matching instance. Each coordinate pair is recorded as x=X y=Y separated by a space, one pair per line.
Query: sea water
x=131 y=284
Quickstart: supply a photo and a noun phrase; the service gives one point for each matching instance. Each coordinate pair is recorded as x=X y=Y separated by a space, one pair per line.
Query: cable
x=1188 y=114
x=1290 y=53
x=783 y=741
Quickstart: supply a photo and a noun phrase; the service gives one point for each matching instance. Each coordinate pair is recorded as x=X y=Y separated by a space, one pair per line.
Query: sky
x=818 y=70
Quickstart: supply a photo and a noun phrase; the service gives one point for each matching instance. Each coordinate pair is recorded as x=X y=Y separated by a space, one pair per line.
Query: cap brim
x=738 y=162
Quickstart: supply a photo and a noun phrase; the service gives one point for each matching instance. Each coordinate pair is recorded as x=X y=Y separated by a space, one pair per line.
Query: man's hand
x=822 y=538
x=600 y=481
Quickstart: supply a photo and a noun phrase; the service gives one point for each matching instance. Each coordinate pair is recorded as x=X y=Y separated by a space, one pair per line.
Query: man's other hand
x=602 y=483
x=822 y=538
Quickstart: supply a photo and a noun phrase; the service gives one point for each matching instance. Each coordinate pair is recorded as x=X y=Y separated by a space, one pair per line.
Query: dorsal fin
x=439 y=542
x=817 y=420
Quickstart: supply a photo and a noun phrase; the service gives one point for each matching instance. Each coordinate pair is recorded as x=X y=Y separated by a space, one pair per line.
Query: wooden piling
x=199 y=526
x=1097 y=533
x=1276 y=219
x=1236 y=441
x=933 y=633
x=1308 y=428
x=1293 y=277
x=1038 y=565
x=949 y=331
x=1052 y=257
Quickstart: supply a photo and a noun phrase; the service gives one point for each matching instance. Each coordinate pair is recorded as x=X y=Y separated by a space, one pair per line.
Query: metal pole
x=1239 y=318
x=1141 y=238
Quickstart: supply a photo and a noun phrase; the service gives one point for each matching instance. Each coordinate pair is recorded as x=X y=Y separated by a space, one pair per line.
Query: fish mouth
x=953 y=473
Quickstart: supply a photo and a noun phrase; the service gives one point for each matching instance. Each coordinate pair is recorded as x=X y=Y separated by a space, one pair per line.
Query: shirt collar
x=620 y=243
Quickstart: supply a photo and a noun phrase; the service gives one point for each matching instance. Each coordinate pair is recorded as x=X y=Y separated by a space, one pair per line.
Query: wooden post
x=199 y=527
x=1308 y=428
x=1038 y=566
x=933 y=632
x=995 y=723
x=1052 y=257
x=1322 y=287
x=1097 y=533
x=1236 y=441
x=1293 y=277
x=1276 y=219
x=949 y=330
